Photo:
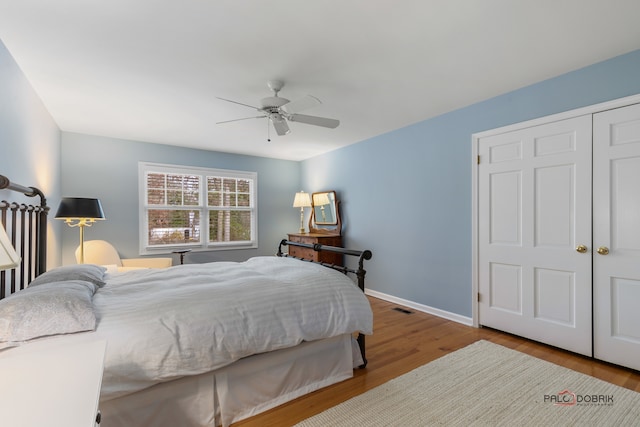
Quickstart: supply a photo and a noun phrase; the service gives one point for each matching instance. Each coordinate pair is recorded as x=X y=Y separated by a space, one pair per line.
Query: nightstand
x=51 y=383
x=312 y=239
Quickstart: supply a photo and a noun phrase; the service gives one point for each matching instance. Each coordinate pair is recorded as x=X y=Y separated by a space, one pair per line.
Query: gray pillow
x=87 y=272
x=49 y=309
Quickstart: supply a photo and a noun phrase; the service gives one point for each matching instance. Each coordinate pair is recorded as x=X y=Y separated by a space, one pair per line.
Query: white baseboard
x=420 y=307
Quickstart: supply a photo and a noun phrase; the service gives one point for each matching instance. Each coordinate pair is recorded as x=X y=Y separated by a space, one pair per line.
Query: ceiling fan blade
x=239 y=103
x=280 y=124
x=301 y=104
x=237 y=120
x=314 y=120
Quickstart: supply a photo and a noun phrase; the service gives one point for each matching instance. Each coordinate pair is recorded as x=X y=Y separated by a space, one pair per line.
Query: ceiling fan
x=280 y=110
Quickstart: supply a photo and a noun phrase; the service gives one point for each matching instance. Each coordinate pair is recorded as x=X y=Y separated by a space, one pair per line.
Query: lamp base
x=81 y=227
x=301 y=220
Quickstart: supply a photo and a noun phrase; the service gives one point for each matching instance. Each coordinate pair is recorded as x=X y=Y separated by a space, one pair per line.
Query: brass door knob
x=581 y=248
x=603 y=250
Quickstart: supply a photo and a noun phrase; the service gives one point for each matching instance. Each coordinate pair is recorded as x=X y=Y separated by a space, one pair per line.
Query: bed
x=195 y=344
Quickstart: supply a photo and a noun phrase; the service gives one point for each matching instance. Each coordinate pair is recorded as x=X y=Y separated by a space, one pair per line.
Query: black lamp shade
x=78 y=207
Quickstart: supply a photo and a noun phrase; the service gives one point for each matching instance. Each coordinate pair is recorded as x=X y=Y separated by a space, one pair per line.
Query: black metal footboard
x=360 y=272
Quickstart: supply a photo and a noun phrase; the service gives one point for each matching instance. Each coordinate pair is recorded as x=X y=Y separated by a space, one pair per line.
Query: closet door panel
x=534 y=208
x=616 y=192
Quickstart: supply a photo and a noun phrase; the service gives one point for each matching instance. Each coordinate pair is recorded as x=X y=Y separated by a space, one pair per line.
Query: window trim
x=205 y=245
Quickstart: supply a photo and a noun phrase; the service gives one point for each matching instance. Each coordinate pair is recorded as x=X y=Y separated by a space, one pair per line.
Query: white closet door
x=616 y=227
x=534 y=210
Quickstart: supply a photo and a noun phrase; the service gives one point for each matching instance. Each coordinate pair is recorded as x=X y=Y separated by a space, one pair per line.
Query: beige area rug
x=485 y=384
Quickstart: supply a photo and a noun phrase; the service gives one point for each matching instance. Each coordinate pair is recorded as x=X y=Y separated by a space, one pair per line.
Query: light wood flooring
x=402 y=342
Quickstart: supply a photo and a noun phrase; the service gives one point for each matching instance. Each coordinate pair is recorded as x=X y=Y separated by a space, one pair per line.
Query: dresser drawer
x=305 y=253
x=310 y=254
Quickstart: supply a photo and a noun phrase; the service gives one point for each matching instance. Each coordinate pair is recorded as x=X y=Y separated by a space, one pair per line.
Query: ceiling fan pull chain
x=268 y=132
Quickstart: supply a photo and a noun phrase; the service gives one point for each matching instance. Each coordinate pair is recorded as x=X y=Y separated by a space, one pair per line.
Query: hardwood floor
x=402 y=342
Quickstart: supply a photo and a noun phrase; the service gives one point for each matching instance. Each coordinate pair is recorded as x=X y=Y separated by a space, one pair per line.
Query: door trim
x=475 y=139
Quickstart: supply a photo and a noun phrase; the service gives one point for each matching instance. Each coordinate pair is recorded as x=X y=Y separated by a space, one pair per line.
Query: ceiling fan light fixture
x=280 y=124
x=276 y=117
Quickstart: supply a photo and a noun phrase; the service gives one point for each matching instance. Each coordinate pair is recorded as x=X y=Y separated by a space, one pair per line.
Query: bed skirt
x=248 y=387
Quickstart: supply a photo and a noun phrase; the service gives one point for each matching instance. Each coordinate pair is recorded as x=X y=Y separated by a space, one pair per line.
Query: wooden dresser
x=316 y=238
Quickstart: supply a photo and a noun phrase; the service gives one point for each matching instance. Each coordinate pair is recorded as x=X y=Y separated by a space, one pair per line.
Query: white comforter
x=189 y=319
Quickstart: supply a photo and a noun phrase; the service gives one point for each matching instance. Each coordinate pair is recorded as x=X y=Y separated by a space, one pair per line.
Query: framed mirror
x=325 y=213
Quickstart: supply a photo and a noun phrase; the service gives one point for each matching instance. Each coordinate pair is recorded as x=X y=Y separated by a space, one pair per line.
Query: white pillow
x=89 y=272
x=49 y=309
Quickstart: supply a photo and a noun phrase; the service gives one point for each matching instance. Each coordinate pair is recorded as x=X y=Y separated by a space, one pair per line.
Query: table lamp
x=302 y=200
x=80 y=212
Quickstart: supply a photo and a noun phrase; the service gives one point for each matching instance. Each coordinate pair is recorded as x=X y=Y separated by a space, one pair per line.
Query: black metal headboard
x=26 y=226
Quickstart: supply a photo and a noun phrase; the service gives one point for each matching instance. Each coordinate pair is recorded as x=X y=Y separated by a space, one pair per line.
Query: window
x=191 y=207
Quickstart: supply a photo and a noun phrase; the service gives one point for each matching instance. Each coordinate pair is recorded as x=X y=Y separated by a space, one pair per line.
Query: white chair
x=102 y=252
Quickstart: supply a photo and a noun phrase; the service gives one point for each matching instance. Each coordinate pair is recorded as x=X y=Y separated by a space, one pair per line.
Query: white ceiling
x=151 y=70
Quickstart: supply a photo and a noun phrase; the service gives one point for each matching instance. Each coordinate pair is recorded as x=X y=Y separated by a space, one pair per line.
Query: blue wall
x=107 y=169
x=406 y=195
x=29 y=144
